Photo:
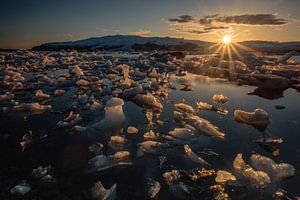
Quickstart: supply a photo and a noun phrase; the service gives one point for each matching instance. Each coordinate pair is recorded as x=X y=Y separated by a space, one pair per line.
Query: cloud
x=216 y=23
x=182 y=19
x=253 y=19
x=141 y=32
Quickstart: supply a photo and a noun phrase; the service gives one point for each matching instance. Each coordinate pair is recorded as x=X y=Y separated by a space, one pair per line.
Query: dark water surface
x=68 y=153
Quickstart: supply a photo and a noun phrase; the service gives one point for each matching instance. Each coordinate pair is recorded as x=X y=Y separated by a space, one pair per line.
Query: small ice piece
x=193 y=157
x=120 y=155
x=83 y=99
x=152 y=147
x=71 y=120
x=40 y=95
x=224 y=176
x=275 y=171
x=21 y=189
x=31 y=107
x=76 y=70
x=82 y=83
x=114 y=116
x=131 y=92
x=148 y=100
x=150 y=135
x=184 y=107
x=153 y=188
x=99 y=192
x=153 y=73
x=6 y=97
x=259 y=118
x=200 y=124
x=162 y=161
x=220 y=98
x=204 y=106
x=256 y=179
x=171 y=176
x=131 y=130
x=59 y=92
x=96 y=148
x=183 y=134
x=26 y=140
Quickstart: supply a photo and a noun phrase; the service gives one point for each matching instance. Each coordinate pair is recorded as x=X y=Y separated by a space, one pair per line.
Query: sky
x=27 y=23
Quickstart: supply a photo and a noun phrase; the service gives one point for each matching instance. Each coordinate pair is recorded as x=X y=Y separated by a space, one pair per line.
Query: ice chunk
x=148 y=100
x=71 y=120
x=220 y=98
x=256 y=179
x=275 y=171
x=114 y=116
x=120 y=155
x=59 y=92
x=31 y=107
x=150 y=135
x=99 y=192
x=184 y=107
x=224 y=176
x=259 y=118
x=132 y=130
x=193 y=157
x=200 y=124
x=76 y=70
x=21 y=189
x=171 y=176
x=153 y=188
x=131 y=92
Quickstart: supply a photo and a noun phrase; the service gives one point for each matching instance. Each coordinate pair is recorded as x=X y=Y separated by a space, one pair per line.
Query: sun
x=226 y=39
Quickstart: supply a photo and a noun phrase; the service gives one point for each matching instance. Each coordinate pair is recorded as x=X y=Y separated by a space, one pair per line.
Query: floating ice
x=153 y=188
x=114 y=116
x=148 y=100
x=275 y=171
x=59 y=92
x=132 y=130
x=21 y=189
x=220 y=98
x=131 y=92
x=171 y=176
x=184 y=107
x=259 y=118
x=224 y=176
x=99 y=192
x=71 y=120
x=31 y=107
x=193 y=157
x=256 y=179
x=150 y=135
x=200 y=124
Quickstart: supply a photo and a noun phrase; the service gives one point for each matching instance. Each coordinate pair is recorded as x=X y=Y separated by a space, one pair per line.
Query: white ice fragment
x=193 y=157
x=220 y=98
x=257 y=118
x=148 y=100
x=200 y=124
x=184 y=107
x=256 y=179
x=224 y=176
x=275 y=171
x=99 y=192
x=21 y=189
x=132 y=130
x=153 y=188
x=31 y=107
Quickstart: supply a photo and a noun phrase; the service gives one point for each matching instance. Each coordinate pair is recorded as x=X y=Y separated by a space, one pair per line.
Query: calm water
x=68 y=154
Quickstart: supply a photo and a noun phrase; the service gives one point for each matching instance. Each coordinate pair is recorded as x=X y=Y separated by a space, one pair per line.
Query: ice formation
x=258 y=118
x=220 y=98
x=21 y=189
x=224 y=176
x=184 y=107
x=99 y=192
x=245 y=173
x=148 y=100
x=275 y=171
x=31 y=107
x=153 y=188
x=114 y=116
x=193 y=157
x=200 y=124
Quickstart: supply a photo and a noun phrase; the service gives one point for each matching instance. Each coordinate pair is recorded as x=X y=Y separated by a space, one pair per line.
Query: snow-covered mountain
x=118 y=42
